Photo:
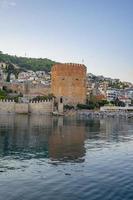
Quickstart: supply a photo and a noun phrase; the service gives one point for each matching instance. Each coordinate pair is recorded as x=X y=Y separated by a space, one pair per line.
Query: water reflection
x=61 y=139
x=39 y=136
x=51 y=158
x=66 y=141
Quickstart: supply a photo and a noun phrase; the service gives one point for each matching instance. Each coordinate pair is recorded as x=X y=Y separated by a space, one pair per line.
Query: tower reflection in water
x=67 y=141
x=26 y=137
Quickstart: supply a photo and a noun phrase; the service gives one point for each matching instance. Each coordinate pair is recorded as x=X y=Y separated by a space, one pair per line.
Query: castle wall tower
x=69 y=82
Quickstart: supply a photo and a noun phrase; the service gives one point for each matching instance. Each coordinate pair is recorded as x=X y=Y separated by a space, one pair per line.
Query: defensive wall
x=28 y=88
x=40 y=107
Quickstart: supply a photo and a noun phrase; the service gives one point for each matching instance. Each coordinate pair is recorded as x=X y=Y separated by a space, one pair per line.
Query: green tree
x=25 y=63
x=3 y=94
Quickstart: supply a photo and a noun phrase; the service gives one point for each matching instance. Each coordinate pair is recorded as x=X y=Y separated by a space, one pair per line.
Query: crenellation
x=65 y=84
x=36 y=107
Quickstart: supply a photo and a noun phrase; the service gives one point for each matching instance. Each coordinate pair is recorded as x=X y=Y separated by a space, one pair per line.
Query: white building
x=125 y=100
x=27 y=76
x=129 y=93
x=12 y=78
x=40 y=74
x=112 y=94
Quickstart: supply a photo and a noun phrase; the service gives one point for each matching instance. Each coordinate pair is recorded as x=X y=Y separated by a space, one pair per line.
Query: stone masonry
x=40 y=107
x=69 y=82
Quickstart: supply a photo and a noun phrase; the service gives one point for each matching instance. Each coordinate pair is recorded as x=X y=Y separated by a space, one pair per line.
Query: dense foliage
x=92 y=105
x=10 y=69
x=118 y=85
x=117 y=102
x=3 y=94
x=68 y=107
x=7 y=94
x=43 y=98
x=34 y=64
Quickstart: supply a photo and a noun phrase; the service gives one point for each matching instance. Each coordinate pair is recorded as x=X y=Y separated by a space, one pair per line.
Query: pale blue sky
x=98 y=31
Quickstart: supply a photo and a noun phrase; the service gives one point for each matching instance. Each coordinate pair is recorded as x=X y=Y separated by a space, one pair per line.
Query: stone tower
x=69 y=83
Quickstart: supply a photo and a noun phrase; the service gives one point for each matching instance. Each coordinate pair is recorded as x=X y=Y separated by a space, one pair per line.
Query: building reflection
x=115 y=130
x=67 y=141
x=61 y=139
x=41 y=137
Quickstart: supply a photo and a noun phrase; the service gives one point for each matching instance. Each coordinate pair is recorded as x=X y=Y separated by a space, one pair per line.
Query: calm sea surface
x=48 y=158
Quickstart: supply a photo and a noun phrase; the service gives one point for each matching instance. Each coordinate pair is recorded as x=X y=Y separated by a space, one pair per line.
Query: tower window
x=61 y=100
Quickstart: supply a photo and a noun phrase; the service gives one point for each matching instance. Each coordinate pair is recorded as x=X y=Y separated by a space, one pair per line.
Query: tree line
x=35 y=64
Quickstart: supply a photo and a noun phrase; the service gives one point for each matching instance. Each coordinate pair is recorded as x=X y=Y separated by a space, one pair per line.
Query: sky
x=98 y=33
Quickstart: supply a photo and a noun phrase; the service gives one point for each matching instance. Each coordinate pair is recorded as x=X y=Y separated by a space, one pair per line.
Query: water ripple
x=62 y=158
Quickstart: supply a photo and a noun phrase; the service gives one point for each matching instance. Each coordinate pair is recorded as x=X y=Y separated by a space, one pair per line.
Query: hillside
x=34 y=64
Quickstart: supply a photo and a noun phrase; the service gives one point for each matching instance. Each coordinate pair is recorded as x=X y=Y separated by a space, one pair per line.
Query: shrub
x=68 y=107
x=86 y=106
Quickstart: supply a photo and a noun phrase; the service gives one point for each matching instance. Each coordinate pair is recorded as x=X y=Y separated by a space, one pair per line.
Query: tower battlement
x=69 y=82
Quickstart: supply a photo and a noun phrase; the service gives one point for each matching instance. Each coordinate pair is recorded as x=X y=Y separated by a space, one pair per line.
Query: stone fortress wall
x=40 y=107
x=27 y=88
x=69 y=82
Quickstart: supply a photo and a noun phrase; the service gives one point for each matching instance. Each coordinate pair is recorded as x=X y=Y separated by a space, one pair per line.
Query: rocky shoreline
x=105 y=114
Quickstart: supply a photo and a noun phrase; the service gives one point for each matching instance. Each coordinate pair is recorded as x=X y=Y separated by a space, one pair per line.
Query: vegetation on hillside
x=7 y=94
x=10 y=69
x=118 y=85
x=3 y=94
x=43 y=98
x=34 y=64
